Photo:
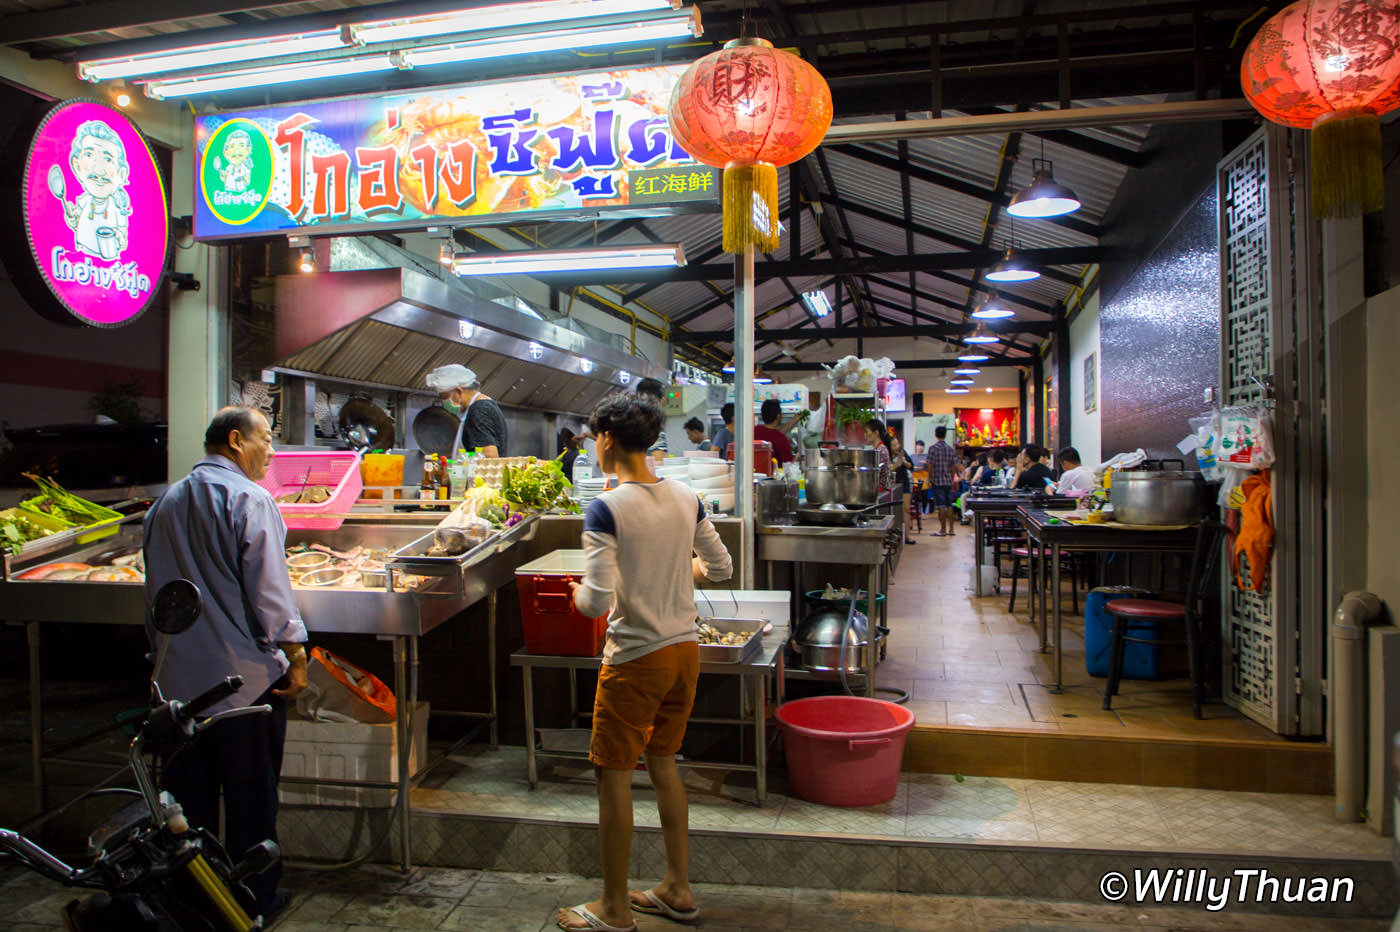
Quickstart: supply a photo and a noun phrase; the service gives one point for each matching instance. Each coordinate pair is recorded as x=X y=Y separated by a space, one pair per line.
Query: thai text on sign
x=542 y=146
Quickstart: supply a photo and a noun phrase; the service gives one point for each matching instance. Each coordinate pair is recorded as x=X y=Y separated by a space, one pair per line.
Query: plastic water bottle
x=583 y=467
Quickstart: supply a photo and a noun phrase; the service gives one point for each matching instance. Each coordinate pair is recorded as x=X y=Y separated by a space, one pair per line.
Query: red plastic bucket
x=844 y=750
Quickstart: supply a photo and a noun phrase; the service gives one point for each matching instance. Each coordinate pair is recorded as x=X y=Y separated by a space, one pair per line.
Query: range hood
x=390 y=327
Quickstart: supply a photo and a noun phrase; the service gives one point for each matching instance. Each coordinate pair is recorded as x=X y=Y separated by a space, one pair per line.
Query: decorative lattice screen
x=1249 y=633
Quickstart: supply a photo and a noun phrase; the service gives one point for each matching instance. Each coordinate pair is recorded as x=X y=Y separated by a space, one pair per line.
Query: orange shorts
x=643 y=703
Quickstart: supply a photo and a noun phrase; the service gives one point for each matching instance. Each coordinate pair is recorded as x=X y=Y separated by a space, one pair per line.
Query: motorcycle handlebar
x=215 y=694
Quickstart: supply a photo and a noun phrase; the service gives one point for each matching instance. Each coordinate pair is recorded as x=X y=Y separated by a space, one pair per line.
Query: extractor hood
x=390 y=327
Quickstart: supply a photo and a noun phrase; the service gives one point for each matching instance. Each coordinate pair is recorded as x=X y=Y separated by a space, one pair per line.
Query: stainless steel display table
x=385 y=614
x=863 y=545
x=753 y=678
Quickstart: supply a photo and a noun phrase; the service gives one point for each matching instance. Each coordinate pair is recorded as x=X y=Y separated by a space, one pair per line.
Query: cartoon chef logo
x=99 y=216
x=235 y=172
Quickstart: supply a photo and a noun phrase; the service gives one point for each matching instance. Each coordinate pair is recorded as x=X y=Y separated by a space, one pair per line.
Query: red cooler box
x=552 y=625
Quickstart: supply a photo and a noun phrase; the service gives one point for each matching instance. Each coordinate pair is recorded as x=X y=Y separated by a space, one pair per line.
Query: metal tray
x=724 y=653
x=413 y=559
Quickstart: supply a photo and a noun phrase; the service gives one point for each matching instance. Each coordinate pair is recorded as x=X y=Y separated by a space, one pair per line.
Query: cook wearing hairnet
x=482 y=427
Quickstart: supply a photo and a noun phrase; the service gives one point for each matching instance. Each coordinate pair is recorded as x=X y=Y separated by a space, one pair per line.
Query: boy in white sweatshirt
x=640 y=540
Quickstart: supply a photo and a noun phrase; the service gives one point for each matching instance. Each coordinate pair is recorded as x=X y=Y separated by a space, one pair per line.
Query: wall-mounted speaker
x=918 y=402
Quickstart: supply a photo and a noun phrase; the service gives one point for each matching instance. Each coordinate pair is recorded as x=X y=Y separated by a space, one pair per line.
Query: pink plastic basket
x=337 y=470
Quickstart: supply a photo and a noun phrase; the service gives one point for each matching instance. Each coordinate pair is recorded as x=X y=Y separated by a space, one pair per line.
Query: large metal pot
x=842 y=476
x=1161 y=496
x=817 y=639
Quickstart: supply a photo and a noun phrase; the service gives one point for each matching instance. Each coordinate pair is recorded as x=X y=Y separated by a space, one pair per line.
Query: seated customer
x=1075 y=477
x=1035 y=476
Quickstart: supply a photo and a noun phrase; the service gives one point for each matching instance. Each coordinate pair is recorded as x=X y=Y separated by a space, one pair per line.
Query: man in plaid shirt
x=942 y=474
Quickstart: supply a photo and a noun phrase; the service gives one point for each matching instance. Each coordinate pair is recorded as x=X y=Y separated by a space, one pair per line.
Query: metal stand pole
x=36 y=715
x=491 y=668
x=401 y=726
x=1057 y=612
x=743 y=407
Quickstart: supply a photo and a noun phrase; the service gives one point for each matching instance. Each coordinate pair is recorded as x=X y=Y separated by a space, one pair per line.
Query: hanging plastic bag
x=1204 y=430
x=347 y=690
x=1245 y=439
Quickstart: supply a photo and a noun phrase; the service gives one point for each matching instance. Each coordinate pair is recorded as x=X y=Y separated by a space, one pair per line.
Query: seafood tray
x=750 y=629
x=416 y=558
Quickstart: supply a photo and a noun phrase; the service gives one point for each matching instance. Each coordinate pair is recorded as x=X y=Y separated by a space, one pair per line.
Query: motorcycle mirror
x=177 y=606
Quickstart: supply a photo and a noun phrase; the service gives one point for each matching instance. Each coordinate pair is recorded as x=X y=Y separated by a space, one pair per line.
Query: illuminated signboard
x=95 y=213
x=542 y=147
x=895 y=397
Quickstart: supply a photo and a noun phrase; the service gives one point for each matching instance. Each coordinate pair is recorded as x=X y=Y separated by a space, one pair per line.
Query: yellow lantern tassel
x=1347 y=178
x=750 y=207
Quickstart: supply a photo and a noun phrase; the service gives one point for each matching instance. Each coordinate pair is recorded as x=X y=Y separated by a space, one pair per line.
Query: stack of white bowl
x=585 y=490
x=713 y=481
x=674 y=468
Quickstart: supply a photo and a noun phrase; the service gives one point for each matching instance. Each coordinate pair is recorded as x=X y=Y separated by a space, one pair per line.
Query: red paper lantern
x=748 y=109
x=1331 y=66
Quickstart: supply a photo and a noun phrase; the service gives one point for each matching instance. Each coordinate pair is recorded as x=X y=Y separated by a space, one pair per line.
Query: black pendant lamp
x=1044 y=196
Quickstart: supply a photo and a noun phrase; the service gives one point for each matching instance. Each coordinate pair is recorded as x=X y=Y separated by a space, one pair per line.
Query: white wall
x=1084 y=428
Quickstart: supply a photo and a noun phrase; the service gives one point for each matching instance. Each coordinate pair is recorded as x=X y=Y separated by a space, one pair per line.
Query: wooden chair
x=1148 y=616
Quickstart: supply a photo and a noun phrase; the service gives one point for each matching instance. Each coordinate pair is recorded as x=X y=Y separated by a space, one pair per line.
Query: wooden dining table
x=1051 y=534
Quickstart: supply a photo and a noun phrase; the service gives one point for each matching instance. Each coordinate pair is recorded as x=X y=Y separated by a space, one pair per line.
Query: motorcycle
x=152 y=870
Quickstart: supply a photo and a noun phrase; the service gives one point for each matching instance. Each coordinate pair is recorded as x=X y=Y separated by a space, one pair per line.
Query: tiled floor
x=968 y=661
x=374 y=899
x=931 y=806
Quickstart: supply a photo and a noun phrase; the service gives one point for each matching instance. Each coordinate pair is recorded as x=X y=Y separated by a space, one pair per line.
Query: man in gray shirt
x=222 y=531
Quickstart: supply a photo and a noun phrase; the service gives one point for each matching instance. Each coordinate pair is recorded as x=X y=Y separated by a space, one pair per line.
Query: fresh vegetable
x=538 y=486
x=16 y=530
x=56 y=502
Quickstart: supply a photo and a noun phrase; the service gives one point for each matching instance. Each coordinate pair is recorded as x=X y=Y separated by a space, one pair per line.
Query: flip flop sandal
x=656 y=906
x=594 y=924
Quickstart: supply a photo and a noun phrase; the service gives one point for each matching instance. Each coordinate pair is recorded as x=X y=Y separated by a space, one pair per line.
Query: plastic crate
x=553 y=627
x=352 y=751
x=105 y=526
x=338 y=470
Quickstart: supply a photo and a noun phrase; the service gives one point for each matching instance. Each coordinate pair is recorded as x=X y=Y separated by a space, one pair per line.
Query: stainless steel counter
x=401 y=616
x=862 y=545
x=807 y=543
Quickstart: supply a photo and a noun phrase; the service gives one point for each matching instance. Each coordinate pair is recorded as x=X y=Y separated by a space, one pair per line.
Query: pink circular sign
x=95 y=213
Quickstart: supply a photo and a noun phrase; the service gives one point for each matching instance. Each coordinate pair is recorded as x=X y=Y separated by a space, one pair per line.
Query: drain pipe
x=1357 y=609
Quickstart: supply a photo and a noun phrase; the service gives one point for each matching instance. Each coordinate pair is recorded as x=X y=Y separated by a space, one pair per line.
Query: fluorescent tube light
x=682 y=25
x=817 y=302
x=973 y=357
x=505 y=15
x=956 y=391
x=967 y=370
x=261 y=77
x=538 y=261
x=202 y=56
x=962 y=380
